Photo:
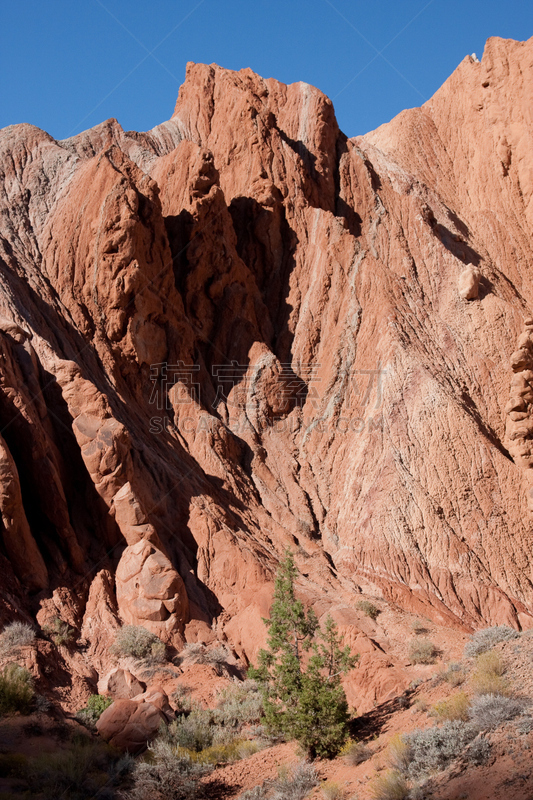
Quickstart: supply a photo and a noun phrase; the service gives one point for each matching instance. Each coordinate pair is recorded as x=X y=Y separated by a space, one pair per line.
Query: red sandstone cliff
x=242 y=331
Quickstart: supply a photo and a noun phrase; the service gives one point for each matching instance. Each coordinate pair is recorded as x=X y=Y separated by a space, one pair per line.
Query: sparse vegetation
x=16 y=690
x=60 y=632
x=478 y=752
x=390 y=786
x=454 y=707
x=368 y=608
x=422 y=651
x=486 y=639
x=16 y=634
x=454 y=674
x=137 y=642
x=78 y=773
x=490 y=710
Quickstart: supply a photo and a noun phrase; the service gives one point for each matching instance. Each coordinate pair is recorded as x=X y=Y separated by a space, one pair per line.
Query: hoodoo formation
x=243 y=332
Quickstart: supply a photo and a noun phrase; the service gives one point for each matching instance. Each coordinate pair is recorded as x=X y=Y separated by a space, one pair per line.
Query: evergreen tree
x=303 y=702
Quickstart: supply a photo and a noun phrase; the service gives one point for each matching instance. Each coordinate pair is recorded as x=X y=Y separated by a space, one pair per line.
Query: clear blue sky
x=65 y=66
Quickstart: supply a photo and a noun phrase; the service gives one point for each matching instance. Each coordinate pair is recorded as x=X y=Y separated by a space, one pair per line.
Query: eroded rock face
x=221 y=339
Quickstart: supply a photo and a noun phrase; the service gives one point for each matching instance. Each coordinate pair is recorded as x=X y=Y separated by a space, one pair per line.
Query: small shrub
x=454 y=707
x=525 y=725
x=239 y=704
x=332 y=791
x=16 y=634
x=294 y=783
x=487 y=677
x=198 y=653
x=454 y=674
x=137 y=642
x=433 y=749
x=490 y=710
x=96 y=705
x=398 y=753
x=479 y=751
x=422 y=651
x=16 y=690
x=194 y=732
x=355 y=753
x=486 y=639
x=165 y=776
x=368 y=608
x=60 y=632
x=390 y=786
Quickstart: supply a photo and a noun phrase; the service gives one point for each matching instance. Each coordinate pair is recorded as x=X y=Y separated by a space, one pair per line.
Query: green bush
x=303 y=699
x=487 y=638
x=368 y=608
x=16 y=690
x=136 y=642
x=194 y=732
x=96 y=705
x=422 y=651
x=16 y=634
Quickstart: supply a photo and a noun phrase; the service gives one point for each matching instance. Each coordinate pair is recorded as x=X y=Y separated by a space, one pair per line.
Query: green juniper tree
x=303 y=701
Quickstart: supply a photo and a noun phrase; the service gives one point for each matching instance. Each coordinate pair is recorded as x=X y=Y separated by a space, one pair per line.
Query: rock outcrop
x=242 y=332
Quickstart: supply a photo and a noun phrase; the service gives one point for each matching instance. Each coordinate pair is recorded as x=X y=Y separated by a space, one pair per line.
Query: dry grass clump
x=16 y=634
x=487 y=677
x=332 y=791
x=136 y=642
x=486 y=639
x=390 y=786
x=16 y=690
x=454 y=707
x=422 y=651
x=398 y=753
x=355 y=753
